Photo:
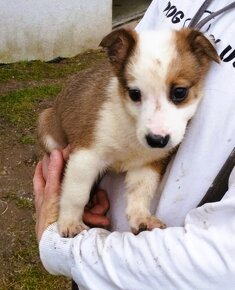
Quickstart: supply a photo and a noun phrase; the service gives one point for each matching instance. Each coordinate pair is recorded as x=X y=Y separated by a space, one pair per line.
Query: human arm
x=198 y=255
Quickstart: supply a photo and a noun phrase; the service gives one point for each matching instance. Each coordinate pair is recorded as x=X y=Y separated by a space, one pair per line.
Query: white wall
x=45 y=29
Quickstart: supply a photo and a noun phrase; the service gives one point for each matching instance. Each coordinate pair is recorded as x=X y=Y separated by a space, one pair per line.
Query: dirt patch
x=21 y=267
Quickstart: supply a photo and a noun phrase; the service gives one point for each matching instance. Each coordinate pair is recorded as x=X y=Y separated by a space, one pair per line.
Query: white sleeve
x=199 y=255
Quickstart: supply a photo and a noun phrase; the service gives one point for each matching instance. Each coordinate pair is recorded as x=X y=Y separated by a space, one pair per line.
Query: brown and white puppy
x=127 y=115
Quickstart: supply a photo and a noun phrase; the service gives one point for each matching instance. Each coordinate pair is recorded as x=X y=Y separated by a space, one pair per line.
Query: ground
x=26 y=88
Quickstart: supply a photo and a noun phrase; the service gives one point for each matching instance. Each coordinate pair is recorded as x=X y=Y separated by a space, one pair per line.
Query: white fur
x=116 y=136
x=167 y=119
x=157 y=114
x=50 y=143
x=141 y=185
x=82 y=170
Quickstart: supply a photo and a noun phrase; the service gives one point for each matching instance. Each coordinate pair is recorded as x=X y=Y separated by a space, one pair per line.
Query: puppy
x=127 y=115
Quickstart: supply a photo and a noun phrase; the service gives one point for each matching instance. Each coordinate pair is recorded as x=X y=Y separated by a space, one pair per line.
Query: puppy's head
x=160 y=75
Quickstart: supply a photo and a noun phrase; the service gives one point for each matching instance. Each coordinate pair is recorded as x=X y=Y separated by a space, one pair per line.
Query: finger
x=38 y=180
x=38 y=186
x=66 y=151
x=102 y=203
x=45 y=165
x=54 y=173
x=95 y=220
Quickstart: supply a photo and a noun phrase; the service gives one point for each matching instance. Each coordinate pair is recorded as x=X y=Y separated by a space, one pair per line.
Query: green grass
x=25 y=270
x=26 y=140
x=24 y=202
x=34 y=278
x=21 y=201
x=20 y=107
x=38 y=70
x=27 y=273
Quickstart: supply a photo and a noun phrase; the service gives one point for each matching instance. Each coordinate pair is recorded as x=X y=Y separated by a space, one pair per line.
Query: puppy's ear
x=119 y=45
x=201 y=45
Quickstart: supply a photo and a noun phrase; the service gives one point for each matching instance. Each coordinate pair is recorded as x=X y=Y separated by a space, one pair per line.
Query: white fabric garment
x=197 y=249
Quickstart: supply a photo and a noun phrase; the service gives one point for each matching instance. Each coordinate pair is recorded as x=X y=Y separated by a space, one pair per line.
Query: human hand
x=47 y=186
x=96 y=210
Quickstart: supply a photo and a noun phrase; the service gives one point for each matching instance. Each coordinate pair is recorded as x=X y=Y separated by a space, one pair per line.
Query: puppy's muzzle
x=157 y=141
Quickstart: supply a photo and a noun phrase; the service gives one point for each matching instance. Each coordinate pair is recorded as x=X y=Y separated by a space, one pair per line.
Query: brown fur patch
x=195 y=53
x=120 y=45
x=161 y=165
x=77 y=107
x=48 y=124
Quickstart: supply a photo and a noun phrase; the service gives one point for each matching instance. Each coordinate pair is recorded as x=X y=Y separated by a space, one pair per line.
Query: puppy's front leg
x=82 y=169
x=141 y=186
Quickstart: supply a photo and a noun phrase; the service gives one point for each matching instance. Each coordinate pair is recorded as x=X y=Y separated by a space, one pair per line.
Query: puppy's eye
x=178 y=94
x=135 y=95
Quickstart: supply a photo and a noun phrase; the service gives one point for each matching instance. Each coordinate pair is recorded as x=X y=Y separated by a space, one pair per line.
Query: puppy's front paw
x=146 y=223
x=69 y=228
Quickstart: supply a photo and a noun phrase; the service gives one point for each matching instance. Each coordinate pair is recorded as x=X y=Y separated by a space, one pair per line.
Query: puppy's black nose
x=157 y=141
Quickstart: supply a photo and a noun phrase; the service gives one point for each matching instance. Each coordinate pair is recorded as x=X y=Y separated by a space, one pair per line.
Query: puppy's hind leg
x=82 y=170
x=50 y=134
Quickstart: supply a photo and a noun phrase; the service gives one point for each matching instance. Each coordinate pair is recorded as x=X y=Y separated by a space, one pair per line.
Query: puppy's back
x=72 y=119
